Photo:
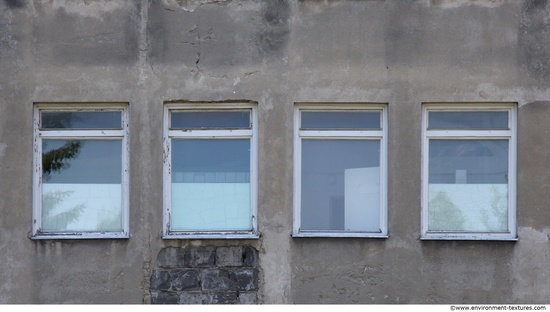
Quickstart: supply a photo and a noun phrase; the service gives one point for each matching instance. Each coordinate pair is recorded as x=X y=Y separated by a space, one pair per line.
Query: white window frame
x=118 y=134
x=251 y=134
x=344 y=134
x=471 y=134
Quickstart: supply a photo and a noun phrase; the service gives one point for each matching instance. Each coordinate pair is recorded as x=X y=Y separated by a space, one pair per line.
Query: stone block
x=160 y=280
x=243 y=279
x=171 y=257
x=250 y=256
x=248 y=298
x=215 y=280
x=194 y=298
x=185 y=280
x=224 y=298
x=164 y=298
x=200 y=256
x=229 y=256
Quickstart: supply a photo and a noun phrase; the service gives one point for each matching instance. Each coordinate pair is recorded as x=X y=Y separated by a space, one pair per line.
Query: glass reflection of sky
x=483 y=161
x=324 y=163
x=340 y=120
x=97 y=161
x=210 y=156
x=210 y=120
x=81 y=120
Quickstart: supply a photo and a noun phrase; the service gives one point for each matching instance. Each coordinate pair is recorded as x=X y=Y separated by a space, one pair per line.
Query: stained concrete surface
x=278 y=53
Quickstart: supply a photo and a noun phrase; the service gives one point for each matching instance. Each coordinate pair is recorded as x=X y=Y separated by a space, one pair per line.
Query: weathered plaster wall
x=277 y=53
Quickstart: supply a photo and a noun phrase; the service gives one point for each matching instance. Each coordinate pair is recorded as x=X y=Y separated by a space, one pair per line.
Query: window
x=469 y=172
x=340 y=170
x=80 y=171
x=210 y=170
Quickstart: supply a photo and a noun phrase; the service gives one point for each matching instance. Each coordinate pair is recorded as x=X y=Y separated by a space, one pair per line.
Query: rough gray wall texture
x=277 y=53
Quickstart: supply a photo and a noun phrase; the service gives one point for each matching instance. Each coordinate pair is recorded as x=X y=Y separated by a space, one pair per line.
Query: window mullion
x=350 y=133
x=469 y=133
x=209 y=133
x=82 y=133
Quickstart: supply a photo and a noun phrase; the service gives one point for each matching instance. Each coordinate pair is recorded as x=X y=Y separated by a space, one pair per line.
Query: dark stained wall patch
x=178 y=35
x=275 y=36
x=16 y=4
x=96 y=38
x=534 y=38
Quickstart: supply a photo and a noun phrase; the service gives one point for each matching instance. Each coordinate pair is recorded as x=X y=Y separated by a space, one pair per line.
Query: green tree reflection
x=443 y=215
x=55 y=161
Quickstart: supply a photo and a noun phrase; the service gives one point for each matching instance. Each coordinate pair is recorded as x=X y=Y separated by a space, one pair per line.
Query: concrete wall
x=277 y=53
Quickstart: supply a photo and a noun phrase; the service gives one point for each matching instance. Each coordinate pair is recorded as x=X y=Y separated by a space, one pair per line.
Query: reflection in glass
x=340 y=188
x=81 y=120
x=468 y=185
x=468 y=120
x=210 y=120
x=81 y=185
x=340 y=120
x=210 y=185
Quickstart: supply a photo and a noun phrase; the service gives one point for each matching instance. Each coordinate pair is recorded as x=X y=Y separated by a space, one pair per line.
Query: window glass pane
x=340 y=185
x=340 y=120
x=210 y=185
x=468 y=120
x=82 y=185
x=81 y=120
x=468 y=185
x=200 y=120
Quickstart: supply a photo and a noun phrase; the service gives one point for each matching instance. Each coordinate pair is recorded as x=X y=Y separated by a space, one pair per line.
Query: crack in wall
x=210 y=36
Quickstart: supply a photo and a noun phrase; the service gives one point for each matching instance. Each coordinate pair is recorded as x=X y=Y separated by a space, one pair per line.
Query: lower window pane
x=81 y=185
x=468 y=186
x=340 y=188
x=210 y=185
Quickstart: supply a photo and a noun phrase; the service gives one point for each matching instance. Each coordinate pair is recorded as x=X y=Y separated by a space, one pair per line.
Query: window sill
x=339 y=235
x=225 y=235
x=478 y=237
x=80 y=236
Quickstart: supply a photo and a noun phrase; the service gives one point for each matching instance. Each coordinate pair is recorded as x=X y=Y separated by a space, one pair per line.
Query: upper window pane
x=210 y=120
x=341 y=120
x=468 y=120
x=81 y=120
